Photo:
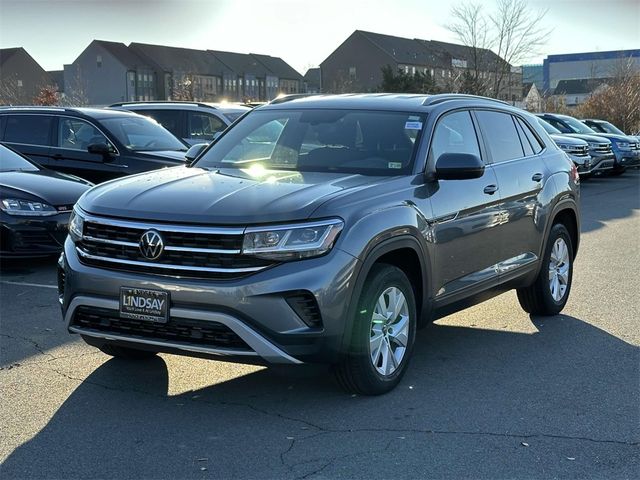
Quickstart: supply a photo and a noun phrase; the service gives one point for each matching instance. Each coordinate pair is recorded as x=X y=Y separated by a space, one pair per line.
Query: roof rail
x=37 y=107
x=445 y=97
x=292 y=96
x=168 y=102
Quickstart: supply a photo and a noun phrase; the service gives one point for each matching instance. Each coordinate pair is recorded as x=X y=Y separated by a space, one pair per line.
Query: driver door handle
x=537 y=177
x=490 y=189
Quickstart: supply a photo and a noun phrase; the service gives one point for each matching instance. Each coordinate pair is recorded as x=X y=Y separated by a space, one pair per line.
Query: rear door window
x=500 y=134
x=203 y=126
x=76 y=134
x=169 y=119
x=28 y=129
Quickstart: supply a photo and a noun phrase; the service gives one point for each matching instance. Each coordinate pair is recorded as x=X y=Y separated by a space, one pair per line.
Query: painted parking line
x=27 y=284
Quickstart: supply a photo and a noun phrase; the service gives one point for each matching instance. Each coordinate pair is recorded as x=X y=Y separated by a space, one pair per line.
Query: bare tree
x=513 y=32
x=619 y=100
x=183 y=87
x=470 y=26
x=75 y=90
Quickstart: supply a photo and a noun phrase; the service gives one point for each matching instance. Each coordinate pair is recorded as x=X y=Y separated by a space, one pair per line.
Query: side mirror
x=99 y=149
x=194 y=151
x=459 y=166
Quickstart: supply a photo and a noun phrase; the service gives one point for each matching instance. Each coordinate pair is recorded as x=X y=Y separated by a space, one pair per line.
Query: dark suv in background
x=193 y=122
x=326 y=229
x=94 y=144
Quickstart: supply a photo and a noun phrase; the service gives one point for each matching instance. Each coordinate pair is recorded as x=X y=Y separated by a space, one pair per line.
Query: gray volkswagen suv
x=326 y=229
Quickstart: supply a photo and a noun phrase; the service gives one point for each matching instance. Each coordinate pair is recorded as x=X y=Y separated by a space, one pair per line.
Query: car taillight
x=574 y=172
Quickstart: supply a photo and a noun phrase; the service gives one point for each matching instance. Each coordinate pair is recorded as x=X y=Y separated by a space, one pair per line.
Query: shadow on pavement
x=570 y=390
x=606 y=198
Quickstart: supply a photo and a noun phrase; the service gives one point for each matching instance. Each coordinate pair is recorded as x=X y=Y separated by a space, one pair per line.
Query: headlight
x=624 y=145
x=593 y=145
x=291 y=242
x=76 y=226
x=15 y=206
x=564 y=147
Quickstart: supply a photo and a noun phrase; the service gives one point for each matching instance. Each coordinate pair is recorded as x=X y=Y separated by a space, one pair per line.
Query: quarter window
x=500 y=135
x=76 y=134
x=455 y=134
x=28 y=129
x=533 y=140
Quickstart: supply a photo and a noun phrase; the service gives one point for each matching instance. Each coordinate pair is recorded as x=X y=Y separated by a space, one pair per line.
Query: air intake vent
x=304 y=304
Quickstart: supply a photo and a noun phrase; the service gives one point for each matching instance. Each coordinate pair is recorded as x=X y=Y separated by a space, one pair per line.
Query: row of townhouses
x=107 y=72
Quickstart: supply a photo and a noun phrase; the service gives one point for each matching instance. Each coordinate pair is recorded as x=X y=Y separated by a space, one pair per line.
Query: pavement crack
x=41 y=350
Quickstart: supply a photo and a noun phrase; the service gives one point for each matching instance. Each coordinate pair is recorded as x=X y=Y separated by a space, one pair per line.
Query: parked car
x=193 y=122
x=624 y=149
x=602 y=126
x=369 y=215
x=576 y=149
x=35 y=205
x=95 y=144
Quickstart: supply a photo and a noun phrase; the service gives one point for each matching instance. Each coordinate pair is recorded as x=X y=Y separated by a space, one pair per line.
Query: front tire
x=549 y=293
x=383 y=334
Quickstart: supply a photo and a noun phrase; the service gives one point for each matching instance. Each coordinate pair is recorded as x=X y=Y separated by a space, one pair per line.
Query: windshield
x=350 y=141
x=11 y=162
x=548 y=127
x=142 y=134
x=577 y=126
x=606 y=127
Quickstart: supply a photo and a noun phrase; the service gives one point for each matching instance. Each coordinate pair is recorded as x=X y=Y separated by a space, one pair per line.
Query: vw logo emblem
x=151 y=244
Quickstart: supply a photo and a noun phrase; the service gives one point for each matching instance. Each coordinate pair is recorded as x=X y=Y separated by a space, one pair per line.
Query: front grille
x=579 y=151
x=603 y=148
x=176 y=330
x=635 y=146
x=188 y=251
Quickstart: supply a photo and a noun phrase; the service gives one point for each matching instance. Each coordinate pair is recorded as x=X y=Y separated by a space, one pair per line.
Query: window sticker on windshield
x=394 y=164
x=413 y=126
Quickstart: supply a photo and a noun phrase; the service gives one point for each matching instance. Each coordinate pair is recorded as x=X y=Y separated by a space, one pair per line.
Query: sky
x=302 y=32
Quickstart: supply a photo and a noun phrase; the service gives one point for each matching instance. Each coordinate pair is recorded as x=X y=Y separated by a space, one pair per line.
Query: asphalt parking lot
x=491 y=392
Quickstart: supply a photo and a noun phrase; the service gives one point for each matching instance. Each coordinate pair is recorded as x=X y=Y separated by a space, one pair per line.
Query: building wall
x=21 y=79
x=97 y=78
x=533 y=74
x=585 y=65
x=355 y=66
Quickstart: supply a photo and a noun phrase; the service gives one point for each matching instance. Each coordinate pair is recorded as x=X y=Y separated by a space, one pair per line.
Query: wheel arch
x=401 y=251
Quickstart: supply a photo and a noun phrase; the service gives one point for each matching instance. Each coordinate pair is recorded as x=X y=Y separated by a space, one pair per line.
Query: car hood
x=589 y=138
x=566 y=140
x=170 y=154
x=614 y=137
x=227 y=196
x=56 y=189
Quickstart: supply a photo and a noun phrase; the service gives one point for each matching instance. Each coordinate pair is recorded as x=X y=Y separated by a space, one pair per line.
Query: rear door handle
x=490 y=189
x=57 y=156
x=537 y=177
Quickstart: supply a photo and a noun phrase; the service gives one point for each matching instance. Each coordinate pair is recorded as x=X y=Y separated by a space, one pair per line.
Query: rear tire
x=383 y=334
x=550 y=291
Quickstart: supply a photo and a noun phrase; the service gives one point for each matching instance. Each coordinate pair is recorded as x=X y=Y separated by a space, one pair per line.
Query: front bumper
x=582 y=163
x=627 y=158
x=32 y=236
x=602 y=163
x=253 y=308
